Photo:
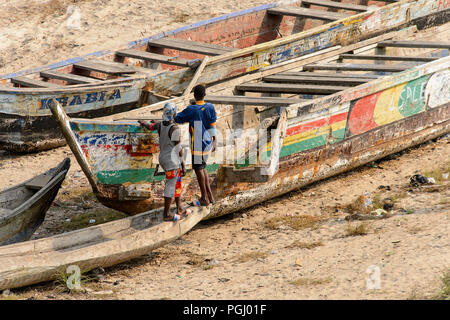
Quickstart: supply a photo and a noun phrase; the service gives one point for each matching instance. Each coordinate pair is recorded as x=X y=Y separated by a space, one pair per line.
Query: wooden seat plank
x=356 y=67
x=414 y=44
x=34 y=83
x=252 y=101
x=69 y=77
x=289 y=88
x=38 y=182
x=385 y=57
x=337 y=5
x=190 y=46
x=308 y=13
x=280 y=78
x=331 y=75
x=107 y=67
x=153 y=57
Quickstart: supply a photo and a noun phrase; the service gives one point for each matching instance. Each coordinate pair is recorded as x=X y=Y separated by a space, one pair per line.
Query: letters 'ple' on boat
x=161 y=66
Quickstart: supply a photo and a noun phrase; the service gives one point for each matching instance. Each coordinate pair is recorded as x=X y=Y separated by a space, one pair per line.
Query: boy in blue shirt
x=202 y=129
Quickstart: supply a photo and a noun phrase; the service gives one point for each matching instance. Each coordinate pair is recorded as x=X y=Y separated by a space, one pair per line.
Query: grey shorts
x=173 y=187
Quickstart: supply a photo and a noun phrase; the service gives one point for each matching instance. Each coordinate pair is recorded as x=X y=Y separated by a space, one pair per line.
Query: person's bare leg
x=208 y=187
x=180 y=208
x=167 y=203
x=201 y=182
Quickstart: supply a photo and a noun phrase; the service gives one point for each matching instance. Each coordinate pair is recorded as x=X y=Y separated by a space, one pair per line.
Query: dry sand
x=237 y=256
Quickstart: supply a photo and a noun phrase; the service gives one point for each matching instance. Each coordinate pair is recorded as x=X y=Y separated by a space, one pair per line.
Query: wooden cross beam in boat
x=34 y=83
x=190 y=46
x=384 y=57
x=289 y=88
x=414 y=44
x=154 y=57
x=331 y=75
x=106 y=67
x=343 y=81
x=356 y=67
x=337 y=5
x=308 y=13
x=69 y=77
x=252 y=101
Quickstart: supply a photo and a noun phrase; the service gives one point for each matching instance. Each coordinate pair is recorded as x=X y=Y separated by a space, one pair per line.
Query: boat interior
x=186 y=48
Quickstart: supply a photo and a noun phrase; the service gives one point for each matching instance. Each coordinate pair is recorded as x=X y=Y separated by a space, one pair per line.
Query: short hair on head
x=199 y=92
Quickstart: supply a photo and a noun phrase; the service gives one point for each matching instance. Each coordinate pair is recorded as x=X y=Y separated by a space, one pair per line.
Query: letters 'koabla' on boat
x=158 y=67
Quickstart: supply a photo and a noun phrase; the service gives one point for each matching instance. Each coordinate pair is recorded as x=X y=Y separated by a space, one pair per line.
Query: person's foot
x=174 y=217
x=182 y=212
x=203 y=202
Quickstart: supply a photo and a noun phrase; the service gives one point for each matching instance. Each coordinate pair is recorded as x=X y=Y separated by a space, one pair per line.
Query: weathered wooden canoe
x=154 y=68
x=104 y=245
x=23 y=207
x=324 y=136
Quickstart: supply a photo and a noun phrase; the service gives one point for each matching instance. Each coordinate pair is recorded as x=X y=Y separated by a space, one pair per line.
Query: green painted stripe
x=137 y=175
x=128 y=175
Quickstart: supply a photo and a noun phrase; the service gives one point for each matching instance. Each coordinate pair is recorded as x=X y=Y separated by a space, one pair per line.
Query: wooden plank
x=197 y=74
x=104 y=67
x=414 y=44
x=384 y=57
x=308 y=13
x=337 y=5
x=153 y=57
x=331 y=75
x=356 y=67
x=190 y=46
x=252 y=101
x=69 y=77
x=34 y=83
x=39 y=182
x=289 y=88
x=281 y=78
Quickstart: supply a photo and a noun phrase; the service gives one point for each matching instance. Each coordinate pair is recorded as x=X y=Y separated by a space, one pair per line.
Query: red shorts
x=175 y=174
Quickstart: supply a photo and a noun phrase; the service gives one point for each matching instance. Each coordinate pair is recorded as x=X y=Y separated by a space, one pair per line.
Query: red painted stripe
x=127 y=148
x=316 y=124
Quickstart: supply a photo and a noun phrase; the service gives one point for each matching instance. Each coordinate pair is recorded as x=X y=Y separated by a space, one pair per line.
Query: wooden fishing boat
x=158 y=67
x=103 y=245
x=23 y=207
x=360 y=117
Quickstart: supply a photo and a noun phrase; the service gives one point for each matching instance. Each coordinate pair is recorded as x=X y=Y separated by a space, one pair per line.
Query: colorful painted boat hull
x=324 y=137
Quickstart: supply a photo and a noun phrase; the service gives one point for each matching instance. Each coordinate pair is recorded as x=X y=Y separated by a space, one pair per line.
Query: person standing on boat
x=202 y=121
x=170 y=159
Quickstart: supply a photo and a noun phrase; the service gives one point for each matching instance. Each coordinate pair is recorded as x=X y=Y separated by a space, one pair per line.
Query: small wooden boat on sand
x=23 y=207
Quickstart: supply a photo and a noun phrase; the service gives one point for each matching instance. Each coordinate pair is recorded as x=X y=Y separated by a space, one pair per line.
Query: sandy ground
x=240 y=256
